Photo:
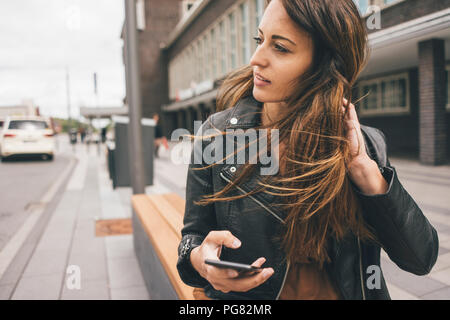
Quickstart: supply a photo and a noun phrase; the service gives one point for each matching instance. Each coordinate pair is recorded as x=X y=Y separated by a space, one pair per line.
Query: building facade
x=155 y=20
x=406 y=79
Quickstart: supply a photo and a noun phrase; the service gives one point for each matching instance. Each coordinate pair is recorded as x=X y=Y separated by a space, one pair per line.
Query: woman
x=317 y=225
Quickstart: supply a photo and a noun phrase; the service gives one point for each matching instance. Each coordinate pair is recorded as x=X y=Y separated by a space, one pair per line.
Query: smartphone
x=240 y=267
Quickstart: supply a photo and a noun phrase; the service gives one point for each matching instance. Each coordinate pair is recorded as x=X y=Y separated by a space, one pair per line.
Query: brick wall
x=408 y=10
x=432 y=101
x=161 y=19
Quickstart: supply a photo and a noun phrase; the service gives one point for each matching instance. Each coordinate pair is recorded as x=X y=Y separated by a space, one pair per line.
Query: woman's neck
x=271 y=112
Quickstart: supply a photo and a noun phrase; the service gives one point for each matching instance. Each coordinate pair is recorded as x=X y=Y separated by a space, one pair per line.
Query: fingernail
x=232 y=274
x=267 y=273
x=236 y=243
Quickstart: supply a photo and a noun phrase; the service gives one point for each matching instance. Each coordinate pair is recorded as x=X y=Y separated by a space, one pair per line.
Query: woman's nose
x=258 y=58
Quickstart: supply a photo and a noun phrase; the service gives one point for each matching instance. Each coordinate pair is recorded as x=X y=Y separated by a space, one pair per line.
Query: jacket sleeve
x=404 y=232
x=198 y=220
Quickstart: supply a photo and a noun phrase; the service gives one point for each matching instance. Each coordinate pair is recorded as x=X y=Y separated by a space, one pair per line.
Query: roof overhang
x=185 y=22
x=194 y=101
x=103 y=112
x=396 y=47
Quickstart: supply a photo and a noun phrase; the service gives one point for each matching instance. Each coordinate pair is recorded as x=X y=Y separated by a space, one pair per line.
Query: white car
x=27 y=135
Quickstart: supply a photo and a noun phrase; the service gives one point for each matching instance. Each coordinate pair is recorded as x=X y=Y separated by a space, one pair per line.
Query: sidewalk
x=430 y=187
x=108 y=265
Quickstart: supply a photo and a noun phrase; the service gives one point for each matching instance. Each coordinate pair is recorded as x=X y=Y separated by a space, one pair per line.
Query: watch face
x=186 y=247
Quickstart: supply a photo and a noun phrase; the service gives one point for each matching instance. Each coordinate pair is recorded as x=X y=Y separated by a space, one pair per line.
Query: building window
x=206 y=56
x=199 y=62
x=192 y=64
x=447 y=80
x=213 y=54
x=245 y=32
x=223 y=48
x=259 y=9
x=233 y=40
x=362 y=6
x=386 y=95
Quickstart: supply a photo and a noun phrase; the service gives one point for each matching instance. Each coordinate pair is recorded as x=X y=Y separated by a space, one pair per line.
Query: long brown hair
x=316 y=190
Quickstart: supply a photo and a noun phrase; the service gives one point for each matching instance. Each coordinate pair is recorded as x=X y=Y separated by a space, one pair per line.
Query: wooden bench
x=157 y=224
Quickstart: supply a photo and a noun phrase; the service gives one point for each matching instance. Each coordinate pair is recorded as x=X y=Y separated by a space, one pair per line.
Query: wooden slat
x=168 y=212
x=164 y=240
x=176 y=201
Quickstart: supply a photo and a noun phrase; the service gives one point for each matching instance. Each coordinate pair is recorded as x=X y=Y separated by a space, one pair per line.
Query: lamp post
x=137 y=169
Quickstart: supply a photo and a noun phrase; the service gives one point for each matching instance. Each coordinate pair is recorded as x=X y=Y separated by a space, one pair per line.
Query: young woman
x=316 y=226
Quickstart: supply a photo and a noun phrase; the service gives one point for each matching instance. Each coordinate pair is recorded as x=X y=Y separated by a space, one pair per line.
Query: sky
x=41 y=39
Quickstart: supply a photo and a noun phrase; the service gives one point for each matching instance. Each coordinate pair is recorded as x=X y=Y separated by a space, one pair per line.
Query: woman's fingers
x=247 y=283
x=225 y=238
x=221 y=273
x=351 y=110
x=259 y=262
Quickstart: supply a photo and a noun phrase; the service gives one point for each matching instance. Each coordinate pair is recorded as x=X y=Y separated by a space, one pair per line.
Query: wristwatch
x=185 y=268
x=186 y=249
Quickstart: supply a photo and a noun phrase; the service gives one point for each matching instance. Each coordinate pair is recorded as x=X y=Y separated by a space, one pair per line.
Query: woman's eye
x=280 y=48
x=277 y=47
x=258 y=40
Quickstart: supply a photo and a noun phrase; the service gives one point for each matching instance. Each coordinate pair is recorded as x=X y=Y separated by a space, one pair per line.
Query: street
x=23 y=183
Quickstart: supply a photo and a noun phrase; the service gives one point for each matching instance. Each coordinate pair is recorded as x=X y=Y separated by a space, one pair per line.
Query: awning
x=205 y=98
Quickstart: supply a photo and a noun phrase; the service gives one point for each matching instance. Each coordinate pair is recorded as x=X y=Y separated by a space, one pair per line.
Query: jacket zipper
x=361 y=270
x=284 y=281
x=254 y=199
x=273 y=214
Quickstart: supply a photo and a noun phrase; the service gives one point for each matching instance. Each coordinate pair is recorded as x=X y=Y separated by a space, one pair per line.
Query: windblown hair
x=316 y=190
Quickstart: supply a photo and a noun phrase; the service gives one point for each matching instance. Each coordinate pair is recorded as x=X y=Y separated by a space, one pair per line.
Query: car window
x=27 y=124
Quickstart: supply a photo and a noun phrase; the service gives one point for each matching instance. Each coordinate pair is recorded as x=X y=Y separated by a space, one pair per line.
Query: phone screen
x=240 y=267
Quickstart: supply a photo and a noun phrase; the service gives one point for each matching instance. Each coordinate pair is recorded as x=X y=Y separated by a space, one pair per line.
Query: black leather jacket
x=404 y=232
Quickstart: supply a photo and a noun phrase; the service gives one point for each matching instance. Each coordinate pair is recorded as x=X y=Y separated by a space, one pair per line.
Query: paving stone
x=442 y=294
x=5 y=291
x=411 y=283
x=120 y=247
x=130 y=293
x=46 y=287
x=90 y=290
x=442 y=262
x=92 y=266
x=124 y=273
x=444 y=244
x=442 y=276
x=397 y=293
x=47 y=262
x=443 y=250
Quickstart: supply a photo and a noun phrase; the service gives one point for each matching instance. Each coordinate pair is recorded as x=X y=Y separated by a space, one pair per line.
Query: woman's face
x=283 y=54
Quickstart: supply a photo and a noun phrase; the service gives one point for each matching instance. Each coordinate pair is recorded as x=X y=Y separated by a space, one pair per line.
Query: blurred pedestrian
x=82 y=133
x=103 y=134
x=159 y=137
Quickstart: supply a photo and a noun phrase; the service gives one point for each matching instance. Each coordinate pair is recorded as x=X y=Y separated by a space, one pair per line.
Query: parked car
x=1 y=129
x=27 y=135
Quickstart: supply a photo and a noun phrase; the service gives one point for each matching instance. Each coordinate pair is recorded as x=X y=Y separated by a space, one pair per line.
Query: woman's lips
x=260 y=81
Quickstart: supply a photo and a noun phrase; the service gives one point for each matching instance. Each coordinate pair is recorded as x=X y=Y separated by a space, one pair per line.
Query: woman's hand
x=362 y=169
x=354 y=134
x=225 y=280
